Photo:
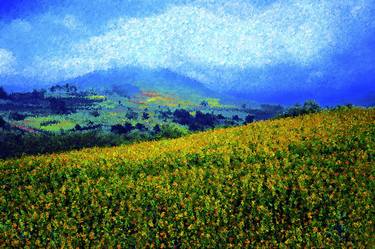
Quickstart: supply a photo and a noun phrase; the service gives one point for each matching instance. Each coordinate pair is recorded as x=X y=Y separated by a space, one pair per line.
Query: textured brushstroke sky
x=289 y=47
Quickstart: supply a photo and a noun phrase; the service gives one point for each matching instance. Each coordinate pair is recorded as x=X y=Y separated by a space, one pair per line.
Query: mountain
x=136 y=79
x=17 y=83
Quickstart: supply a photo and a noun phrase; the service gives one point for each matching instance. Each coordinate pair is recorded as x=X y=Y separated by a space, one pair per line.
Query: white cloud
x=7 y=61
x=296 y=32
x=70 y=22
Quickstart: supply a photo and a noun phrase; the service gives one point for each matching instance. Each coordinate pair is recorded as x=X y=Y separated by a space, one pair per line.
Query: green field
x=292 y=183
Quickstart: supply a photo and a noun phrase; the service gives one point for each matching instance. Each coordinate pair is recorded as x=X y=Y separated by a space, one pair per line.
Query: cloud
x=224 y=44
x=70 y=22
x=282 y=33
x=7 y=61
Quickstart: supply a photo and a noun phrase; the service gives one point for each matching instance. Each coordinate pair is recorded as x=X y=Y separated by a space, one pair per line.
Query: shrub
x=17 y=116
x=2 y=122
x=3 y=93
x=172 y=131
x=249 y=118
x=308 y=107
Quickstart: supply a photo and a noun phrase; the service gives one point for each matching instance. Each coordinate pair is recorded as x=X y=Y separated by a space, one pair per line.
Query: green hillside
x=293 y=182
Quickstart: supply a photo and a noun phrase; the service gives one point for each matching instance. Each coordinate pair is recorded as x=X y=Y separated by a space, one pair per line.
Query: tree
x=310 y=106
x=173 y=131
x=37 y=94
x=131 y=114
x=165 y=114
x=249 y=118
x=140 y=127
x=122 y=129
x=220 y=116
x=3 y=93
x=205 y=119
x=145 y=115
x=67 y=88
x=2 y=122
x=294 y=111
x=156 y=129
x=58 y=106
x=128 y=127
x=204 y=103
x=272 y=109
x=16 y=116
x=95 y=113
x=236 y=118
x=71 y=89
x=78 y=127
x=182 y=116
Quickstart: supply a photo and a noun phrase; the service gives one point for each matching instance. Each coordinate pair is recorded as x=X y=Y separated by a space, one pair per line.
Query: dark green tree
x=3 y=93
x=2 y=122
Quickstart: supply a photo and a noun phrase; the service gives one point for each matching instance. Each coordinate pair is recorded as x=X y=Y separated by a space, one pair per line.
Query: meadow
x=65 y=117
x=296 y=182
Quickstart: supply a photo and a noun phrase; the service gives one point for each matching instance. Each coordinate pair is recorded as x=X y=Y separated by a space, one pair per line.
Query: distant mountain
x=132 y=80
x=18 y=83
x=161 y=81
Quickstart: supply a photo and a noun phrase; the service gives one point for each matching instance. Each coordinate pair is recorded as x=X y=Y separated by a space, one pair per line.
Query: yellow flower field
x=293 y=182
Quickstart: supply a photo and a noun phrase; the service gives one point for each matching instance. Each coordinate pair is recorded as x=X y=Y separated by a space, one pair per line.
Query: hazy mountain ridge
x=163 y=81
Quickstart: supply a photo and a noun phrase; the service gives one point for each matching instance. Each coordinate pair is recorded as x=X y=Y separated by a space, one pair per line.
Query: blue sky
x=279 y=47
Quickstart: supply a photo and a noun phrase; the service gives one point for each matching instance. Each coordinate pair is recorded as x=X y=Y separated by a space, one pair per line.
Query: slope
x=301 y=182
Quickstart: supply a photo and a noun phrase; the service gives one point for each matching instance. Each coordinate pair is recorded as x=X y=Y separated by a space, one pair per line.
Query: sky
x=268 y=50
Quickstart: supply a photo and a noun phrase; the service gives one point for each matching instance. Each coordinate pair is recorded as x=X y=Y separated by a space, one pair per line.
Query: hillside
x=300 y=182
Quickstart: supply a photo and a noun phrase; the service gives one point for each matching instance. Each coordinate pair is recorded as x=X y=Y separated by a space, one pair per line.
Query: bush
x=58 y=106
x=3 y=93
x=141 y=127
x=182 y=117
x=172 y=131
x=14 y=143
x=308 y=107
x=249 y=118
x=2 y=122
x=122 y=129
x=131 y=115
x=145 y=115
x=16 y=116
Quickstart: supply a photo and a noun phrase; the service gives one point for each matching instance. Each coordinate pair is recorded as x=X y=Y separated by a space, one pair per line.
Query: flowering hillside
x=298 y=182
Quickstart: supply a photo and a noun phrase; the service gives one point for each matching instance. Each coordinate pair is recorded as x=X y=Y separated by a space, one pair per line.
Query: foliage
x=3 y=93
x=276 y=109
x=58 y=106
x=308 y=107
x=131 y=114
x=17 y=116
x=59 y=126
x=68 y=88
x=171 y=131
x=2 y=122
x=212 y=102
x=145 y=115
x=97 y=97
x=17 y=143
x=249 y=118
x=122 y=129
x=200 y=121
x=292 y=183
